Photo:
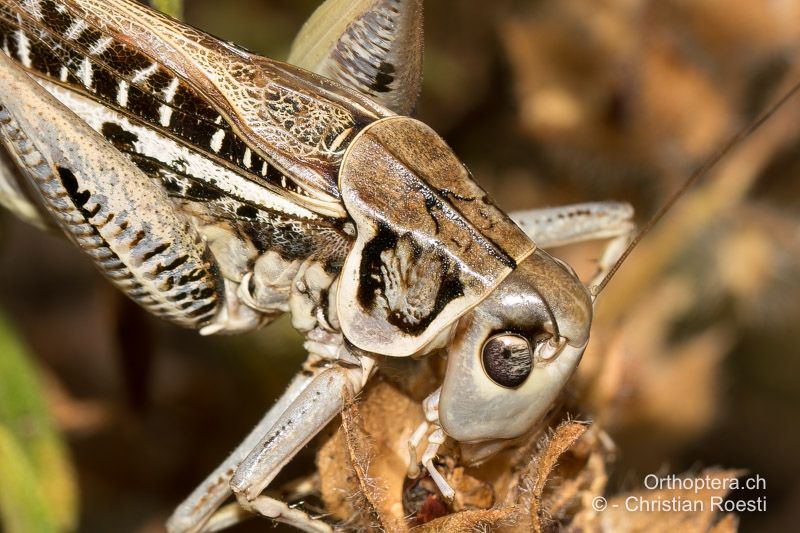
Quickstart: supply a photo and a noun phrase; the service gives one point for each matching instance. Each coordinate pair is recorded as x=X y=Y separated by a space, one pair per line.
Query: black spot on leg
x=70 y=183
x=158 y=250
x=138 y=238
x=203 y=310
x=173 y=265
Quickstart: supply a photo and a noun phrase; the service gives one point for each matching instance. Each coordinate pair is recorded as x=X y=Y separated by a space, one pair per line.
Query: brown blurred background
x=695 y=358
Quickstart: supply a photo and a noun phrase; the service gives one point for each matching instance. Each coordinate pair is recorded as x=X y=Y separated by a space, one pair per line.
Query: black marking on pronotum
x=434 y=202
x=438 y=200
x=372 y=281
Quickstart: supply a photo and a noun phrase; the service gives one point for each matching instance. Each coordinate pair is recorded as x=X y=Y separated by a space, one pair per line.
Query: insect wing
x=373 y=46
x=282 y=127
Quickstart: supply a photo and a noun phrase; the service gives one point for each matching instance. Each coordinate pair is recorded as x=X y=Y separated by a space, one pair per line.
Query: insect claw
x=413 y=462
x=447 y=491
x=413 y=442
x=435 y=440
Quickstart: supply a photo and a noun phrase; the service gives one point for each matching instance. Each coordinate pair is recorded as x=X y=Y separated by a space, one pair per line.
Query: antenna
x=701 y=171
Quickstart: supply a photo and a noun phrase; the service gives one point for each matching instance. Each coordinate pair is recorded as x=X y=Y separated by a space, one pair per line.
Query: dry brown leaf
x=580 y=483
x=372 y=435
x=471 y=492
x=372 y=492
x=469 y=521
x=539 y=469
x=645 y=381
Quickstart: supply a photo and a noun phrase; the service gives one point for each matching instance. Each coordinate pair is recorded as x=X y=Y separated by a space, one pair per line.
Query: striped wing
x=254 y=119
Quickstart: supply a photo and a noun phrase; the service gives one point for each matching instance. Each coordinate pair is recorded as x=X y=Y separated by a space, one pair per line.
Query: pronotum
x=220 y=190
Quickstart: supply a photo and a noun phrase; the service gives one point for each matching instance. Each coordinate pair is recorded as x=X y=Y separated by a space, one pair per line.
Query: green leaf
x=23 y=504
x=173 y=8
x=37 y=483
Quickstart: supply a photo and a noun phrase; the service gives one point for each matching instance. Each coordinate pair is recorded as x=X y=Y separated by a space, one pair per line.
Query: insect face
x=513 y=353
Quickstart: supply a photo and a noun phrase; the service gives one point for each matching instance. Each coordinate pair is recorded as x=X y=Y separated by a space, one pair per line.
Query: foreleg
x=576 y=223
x=308 y=405
x=558 y=226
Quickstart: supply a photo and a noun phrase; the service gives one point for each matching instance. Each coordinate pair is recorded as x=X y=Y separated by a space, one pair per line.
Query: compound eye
x=507 y=359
